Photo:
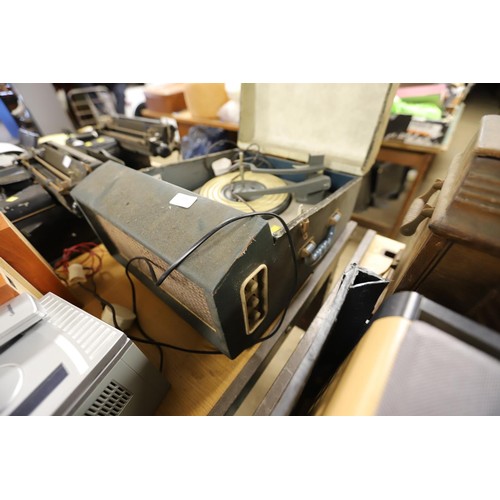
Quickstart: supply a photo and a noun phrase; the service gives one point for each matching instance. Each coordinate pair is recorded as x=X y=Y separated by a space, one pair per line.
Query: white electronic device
x=56 y=359
x=18 y=315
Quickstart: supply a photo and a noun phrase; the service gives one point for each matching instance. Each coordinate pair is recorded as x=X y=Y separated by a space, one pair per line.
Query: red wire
x=80 y=249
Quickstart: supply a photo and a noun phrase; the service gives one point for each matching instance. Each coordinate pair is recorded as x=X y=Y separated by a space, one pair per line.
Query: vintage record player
x=302 y=149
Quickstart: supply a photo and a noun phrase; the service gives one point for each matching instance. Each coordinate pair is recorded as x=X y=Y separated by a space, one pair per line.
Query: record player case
x=133 y=214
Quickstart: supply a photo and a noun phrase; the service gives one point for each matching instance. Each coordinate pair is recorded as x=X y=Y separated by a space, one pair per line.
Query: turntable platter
x=230 y=189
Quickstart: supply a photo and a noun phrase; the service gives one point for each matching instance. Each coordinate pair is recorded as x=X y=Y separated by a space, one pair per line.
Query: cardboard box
x=165 y=98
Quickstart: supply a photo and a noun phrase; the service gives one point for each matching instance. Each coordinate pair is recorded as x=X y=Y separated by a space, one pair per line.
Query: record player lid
x=343 y=121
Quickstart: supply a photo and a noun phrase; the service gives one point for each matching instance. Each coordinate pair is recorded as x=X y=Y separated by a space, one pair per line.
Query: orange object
x=165 y=98
x=204 y=100
x=7 y=291
x=18 y=252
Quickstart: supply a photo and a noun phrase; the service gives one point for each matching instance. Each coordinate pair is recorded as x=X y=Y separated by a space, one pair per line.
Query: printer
x=56 y=359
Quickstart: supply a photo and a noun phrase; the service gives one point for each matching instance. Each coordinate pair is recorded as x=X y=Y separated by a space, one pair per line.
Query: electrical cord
x=158 y=281
x=212 y=147
x=171 y=346
x=105 y=303
x=251 y=154
x=151 y=340
x=222 y=225
x=87 y=249
x=258 y=157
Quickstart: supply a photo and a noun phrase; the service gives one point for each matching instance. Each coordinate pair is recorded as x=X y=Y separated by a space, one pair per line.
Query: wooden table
x=185 y=121
x=421 y=161
x=197 y=381
x=415 y=156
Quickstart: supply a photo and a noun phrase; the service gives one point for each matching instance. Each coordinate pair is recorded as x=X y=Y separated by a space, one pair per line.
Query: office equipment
x=13 y=177
x=198 y=381
x=58 y=168
x=70 y=363
x=132 y=140
x=12 y=283
x=17 y=315
x=37 y=197
x=37 y=180
x=418 y=358
x=236 y=283
x=46 y=224
x=129 y=140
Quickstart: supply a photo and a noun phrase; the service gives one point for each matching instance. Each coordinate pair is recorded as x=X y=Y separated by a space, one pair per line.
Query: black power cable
x=158 y=281
x=105 y=303
x=251 y=154
x=222 y=225
x=150 y=340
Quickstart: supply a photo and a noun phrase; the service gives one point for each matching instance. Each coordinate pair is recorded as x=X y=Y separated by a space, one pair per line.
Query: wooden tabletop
x=185 y=118
x=200 y=380
x=197 y=381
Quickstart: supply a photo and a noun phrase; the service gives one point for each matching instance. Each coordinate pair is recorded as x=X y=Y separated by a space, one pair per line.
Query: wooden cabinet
x=455 y=257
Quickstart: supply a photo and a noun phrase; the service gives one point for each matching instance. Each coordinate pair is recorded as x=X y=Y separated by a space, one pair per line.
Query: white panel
x=345 y=122
x=90 y=335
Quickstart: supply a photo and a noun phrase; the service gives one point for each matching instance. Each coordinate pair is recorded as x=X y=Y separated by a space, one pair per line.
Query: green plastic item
x=423 y=110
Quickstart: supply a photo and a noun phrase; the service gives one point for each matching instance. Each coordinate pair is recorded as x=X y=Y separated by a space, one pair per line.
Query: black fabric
x=349 y=328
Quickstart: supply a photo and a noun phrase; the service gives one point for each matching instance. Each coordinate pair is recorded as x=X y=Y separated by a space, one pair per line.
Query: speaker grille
x=110 y=402
x=177 y=285
x=438 y=374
